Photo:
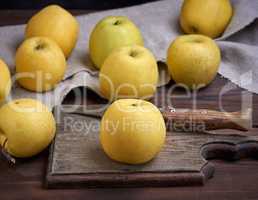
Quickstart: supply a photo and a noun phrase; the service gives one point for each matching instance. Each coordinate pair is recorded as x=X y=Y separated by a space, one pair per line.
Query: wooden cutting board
x=77 y=160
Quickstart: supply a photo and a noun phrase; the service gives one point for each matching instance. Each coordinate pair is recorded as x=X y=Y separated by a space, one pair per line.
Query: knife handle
x=201 y=120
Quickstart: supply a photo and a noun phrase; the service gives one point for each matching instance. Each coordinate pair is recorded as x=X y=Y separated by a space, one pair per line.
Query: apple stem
x=117 y=22
x=40 y=46
x=194 y=29
x=6 y=155
x=133 y=54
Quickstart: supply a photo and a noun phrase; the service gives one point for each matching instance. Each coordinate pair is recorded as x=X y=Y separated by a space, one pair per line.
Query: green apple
x=193 y=60
x=110 y=33
x=129 y=72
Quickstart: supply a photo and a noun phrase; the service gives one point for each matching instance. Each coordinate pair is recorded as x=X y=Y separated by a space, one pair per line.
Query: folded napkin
x=158 y=23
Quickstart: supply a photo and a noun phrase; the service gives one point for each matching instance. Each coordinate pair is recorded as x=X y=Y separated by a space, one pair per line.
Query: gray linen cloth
x=158 y=23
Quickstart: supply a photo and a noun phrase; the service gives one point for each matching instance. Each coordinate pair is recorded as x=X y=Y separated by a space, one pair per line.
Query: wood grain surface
x=232 y=180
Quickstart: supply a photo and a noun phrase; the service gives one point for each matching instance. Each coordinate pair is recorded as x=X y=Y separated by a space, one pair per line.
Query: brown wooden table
x=232 y=180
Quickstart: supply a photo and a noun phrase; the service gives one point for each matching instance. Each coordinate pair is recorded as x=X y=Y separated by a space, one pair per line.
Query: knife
x=184 y=120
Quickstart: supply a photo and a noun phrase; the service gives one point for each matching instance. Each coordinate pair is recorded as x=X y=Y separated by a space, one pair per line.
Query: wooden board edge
x=125 y=180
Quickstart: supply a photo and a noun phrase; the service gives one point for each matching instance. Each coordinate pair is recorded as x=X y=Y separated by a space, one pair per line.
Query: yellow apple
x=129 y=72
x=110 y=33
x=26 y=127
x=193 y=60
x=5 y=81
x=56 y=23
x=132 y=131
x=207 y=17
x=40 y=64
